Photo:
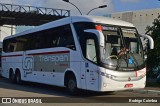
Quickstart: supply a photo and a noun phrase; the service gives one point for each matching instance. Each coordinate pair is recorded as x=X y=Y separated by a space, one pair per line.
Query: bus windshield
x=122 y=49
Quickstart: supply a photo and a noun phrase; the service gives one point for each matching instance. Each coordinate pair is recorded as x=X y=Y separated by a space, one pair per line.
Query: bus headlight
x=107 y=75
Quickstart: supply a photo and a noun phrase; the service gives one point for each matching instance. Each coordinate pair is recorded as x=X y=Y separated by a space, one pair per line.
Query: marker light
x=99 y=27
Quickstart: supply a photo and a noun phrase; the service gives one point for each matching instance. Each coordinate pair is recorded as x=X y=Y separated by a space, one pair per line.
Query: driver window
x=91 y=50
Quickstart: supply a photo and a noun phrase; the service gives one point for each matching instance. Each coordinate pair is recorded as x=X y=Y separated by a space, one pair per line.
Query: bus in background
x=78 y=52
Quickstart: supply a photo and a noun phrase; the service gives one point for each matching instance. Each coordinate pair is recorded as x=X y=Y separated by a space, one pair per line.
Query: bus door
x=90 y=65
x=89 y=77
x=27 y=64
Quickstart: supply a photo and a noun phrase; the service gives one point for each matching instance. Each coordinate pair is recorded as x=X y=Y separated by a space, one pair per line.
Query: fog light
x=104 y=84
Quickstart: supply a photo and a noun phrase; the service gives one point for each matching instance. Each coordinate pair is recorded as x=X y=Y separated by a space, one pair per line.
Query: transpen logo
x=28 y=62
x=54 y=58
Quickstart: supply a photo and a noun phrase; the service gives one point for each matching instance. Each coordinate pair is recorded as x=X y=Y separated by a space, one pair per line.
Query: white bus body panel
x=41 y=76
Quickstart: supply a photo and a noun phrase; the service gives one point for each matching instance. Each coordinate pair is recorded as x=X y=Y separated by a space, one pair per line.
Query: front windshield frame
x=81 y=26
x=122 y=44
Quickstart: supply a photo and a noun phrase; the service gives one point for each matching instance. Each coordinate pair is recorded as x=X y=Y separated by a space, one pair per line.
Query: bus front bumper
x=107 y=84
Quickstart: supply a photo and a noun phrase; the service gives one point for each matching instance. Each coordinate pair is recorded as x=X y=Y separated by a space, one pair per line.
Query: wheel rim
x=71 y=85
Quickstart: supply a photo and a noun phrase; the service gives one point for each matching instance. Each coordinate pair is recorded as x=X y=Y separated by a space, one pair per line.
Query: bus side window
x=10 y=48
x=66 y=37
x=49 y=38
x=9 y=45
x=91 y=50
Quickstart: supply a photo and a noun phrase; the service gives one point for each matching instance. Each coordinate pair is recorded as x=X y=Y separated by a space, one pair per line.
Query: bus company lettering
x=55 y=58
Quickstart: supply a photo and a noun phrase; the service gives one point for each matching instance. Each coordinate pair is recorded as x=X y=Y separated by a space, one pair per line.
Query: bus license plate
x=128 y=86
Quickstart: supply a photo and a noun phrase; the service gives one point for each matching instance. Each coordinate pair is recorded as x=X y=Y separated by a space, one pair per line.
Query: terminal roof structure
x=28 y=15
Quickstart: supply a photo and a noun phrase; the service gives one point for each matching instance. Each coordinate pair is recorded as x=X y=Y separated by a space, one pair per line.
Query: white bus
x=78 y=52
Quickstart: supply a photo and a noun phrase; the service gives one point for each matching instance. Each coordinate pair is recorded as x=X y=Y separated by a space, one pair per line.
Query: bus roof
x=73 y=19
x=100 y=19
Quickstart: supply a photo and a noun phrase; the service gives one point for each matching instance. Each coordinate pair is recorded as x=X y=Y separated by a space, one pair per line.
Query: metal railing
x=34 y=10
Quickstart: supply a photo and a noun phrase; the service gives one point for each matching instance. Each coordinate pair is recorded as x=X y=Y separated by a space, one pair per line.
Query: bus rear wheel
x=11 y=76
x=72 y=85
x=18 y=78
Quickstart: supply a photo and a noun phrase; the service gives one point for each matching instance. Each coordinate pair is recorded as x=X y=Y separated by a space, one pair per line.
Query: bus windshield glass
x=122 y=49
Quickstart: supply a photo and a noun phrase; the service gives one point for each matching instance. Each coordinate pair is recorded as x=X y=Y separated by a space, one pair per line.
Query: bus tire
x=71 y=85
x=11 y=76
x=18 y=77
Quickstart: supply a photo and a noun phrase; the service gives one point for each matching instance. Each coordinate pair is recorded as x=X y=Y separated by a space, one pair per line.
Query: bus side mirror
x=148 y=44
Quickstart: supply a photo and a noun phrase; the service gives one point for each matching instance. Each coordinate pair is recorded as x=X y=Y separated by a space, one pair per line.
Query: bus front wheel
x=72 y=85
